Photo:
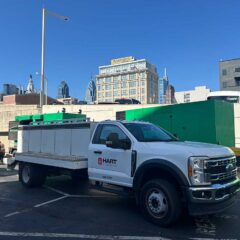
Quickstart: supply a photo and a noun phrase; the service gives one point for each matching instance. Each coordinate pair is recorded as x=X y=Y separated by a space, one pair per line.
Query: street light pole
x=44 y=12
x=43 y=55
x=46 y=102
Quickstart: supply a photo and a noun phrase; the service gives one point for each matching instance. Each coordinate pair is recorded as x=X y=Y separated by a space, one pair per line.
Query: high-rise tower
x=63 y=90
x=90 y=96
x=162 y=87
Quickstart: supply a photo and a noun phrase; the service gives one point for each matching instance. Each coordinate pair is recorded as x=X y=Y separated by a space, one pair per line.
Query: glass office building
x=90 y=96
x=162 y=87
x=63 y=90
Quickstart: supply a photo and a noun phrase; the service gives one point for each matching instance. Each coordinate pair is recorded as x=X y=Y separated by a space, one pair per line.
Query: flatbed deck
x=68 y=162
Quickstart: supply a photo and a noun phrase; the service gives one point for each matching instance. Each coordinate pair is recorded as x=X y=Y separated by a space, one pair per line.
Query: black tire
x=31 y=175
x=160 y=202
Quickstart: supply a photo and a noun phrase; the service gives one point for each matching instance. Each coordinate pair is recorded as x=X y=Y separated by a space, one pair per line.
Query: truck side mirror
x=113 y=141
x=126 y=144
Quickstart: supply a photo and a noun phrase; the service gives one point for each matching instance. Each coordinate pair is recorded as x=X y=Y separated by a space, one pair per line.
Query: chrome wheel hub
x=157 y=203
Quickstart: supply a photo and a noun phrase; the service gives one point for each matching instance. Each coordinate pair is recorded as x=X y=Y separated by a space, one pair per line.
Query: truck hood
x=188 y=149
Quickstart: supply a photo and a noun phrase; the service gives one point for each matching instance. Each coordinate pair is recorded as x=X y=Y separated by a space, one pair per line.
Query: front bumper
x=212 y=199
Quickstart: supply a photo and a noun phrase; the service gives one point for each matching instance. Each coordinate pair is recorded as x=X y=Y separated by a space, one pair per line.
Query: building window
x=186 y=97
x=124 y=84
x=116 y=93
x=100 y=95
x=224 y=72
x=108 y=94
x=100 y=80
x=108 y=80
x=132 y=76
x=124 y=77
x=116 y=86
x=132 y=91
x=132 y=84
x=99 y=87
x=224 y=84
x=237 y=81
x=143 y=90
x=142 y=75
x=124 y=92
x=108 y=87
x=116 y=78
x=237 y=69
x=143 y=83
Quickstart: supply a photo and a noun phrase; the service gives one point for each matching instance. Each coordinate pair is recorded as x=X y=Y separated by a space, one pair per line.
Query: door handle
x=98 y=152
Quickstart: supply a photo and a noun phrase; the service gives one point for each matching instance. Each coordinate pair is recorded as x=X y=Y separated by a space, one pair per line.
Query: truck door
x=110 y=164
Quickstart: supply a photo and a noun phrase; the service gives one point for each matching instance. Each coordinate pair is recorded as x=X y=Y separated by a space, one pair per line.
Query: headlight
x=196 y=174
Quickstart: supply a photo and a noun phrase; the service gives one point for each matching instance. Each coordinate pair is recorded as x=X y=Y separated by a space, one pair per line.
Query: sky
x=188 y=37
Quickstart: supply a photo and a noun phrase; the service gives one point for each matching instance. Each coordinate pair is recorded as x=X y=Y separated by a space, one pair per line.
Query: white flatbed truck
x=164 y=174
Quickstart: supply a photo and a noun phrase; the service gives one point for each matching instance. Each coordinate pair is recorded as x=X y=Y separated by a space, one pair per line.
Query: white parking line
x=17 y=212
x=65 y=195
x=79 y=236
x=11 y=214
x=51 y=201
x=35 y=206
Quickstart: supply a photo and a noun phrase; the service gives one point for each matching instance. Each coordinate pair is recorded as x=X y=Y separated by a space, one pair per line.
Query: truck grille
x=221 y=170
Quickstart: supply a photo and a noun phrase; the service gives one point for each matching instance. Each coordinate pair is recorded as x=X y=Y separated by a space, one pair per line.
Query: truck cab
x=159 y=167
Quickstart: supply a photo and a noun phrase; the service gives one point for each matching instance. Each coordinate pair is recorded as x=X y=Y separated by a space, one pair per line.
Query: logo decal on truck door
x=99 y=161
x=107 y=161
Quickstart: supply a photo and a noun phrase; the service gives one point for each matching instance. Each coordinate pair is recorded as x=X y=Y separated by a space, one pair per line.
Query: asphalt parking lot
x=64 y=210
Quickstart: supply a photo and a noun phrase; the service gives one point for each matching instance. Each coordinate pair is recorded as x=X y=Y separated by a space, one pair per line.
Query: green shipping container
x=208 y=121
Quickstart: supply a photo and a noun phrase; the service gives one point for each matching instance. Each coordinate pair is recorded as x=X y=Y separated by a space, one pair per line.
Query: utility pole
x=43 y=55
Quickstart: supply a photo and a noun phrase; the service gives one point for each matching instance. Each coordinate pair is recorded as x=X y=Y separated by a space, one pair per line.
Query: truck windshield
x=144 y=132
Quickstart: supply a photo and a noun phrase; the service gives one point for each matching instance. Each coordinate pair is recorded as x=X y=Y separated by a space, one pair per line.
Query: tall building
x=162 y=87
x=30 y=86
x=170 y=92
x=127 y=78
x=198 y=94
x=230 y=74
x=63 y=90
x=90 y=95
x=9 y=89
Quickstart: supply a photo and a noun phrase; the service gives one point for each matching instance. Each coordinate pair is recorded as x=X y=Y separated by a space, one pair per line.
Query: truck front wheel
x=160 y=202
x=31 y=175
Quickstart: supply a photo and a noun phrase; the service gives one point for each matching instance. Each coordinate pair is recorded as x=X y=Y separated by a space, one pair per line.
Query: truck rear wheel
x=31 y=175
x=160 y=202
